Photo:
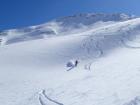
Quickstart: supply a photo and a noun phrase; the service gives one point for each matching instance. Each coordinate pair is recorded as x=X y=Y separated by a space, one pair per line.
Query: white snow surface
x=33 y=63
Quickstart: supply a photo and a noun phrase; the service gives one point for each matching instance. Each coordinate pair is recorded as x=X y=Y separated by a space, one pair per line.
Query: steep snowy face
x=70 y=24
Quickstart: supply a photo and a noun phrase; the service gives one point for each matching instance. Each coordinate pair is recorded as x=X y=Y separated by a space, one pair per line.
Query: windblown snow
x=33 y=62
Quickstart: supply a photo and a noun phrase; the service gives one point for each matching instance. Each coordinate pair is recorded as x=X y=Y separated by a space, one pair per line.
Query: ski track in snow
x=47 y=98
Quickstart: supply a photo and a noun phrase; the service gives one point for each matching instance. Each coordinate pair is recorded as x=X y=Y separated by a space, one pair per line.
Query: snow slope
x=34 y=72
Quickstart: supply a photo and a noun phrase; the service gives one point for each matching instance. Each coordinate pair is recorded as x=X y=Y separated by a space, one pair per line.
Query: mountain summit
x=91 y=18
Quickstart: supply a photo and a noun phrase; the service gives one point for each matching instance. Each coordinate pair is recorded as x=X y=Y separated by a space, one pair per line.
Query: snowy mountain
x=70 y=24
x=34 y=62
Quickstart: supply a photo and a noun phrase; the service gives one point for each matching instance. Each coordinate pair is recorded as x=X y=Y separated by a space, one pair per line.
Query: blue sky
x=22 y=13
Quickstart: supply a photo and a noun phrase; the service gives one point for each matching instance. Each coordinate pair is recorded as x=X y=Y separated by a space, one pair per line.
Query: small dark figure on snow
x=72 y=64
x=76 y=63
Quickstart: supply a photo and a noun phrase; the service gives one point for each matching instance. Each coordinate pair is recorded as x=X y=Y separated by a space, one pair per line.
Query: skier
x=76 y=63
x=72 y=64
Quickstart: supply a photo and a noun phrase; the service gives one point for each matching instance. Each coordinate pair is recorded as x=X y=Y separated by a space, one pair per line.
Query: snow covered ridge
x=91 y=18
x=70 y=24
